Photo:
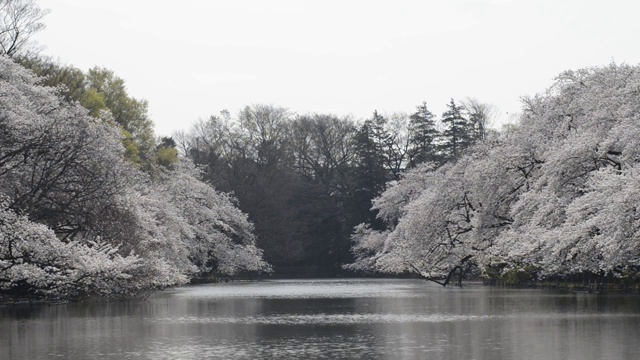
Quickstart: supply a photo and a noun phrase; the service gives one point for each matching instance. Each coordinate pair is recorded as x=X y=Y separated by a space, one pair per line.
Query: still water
x=330 y=319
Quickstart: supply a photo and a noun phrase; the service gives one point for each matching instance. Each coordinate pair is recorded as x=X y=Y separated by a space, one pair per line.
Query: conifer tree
x=370 y=175
x=457 y=134
x=423 y=136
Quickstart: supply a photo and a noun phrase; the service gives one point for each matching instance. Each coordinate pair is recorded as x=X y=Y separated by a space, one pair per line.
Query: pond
x=330 y=319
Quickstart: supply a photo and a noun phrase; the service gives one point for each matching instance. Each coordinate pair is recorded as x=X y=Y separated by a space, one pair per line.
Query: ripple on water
x=315 y=347
x=349 y=319
x=319 y=319
x=316 y=289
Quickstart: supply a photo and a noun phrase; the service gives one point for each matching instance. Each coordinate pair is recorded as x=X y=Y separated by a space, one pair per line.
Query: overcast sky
x=191 y=59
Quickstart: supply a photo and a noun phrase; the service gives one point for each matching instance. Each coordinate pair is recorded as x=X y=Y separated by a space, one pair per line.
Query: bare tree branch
x=19 y=20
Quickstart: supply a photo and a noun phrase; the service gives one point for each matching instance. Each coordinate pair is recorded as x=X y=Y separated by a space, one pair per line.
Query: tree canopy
x=79 y=218
x=556 y=193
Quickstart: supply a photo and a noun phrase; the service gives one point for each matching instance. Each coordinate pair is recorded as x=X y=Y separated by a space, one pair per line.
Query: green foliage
x=69 y=80
x=128 y=112
x=166 y=156
x=131 y=152
x=519 y=276
x=101 y=90
x=95 y=102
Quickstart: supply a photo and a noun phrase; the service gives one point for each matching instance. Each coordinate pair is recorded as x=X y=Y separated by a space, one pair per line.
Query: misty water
x=331 y=319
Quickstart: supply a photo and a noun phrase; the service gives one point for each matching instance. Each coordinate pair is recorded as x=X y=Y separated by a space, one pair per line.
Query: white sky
x=191 y=59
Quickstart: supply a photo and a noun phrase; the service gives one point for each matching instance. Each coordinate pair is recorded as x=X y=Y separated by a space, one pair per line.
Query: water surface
x=330 y=319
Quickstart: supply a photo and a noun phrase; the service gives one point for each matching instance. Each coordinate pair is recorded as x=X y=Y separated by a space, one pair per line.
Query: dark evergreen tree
x=457 y=134
x=423 y=136
x=370 y=175
x=391 y=153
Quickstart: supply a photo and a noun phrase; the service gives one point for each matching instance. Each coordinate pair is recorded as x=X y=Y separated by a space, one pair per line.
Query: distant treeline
x=307 y=180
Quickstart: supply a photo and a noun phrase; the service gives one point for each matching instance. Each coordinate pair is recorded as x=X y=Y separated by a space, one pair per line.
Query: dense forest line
x=307 y=180
x=93 y=203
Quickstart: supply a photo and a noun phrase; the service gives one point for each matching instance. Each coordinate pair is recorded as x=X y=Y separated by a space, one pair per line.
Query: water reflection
x=386 y=319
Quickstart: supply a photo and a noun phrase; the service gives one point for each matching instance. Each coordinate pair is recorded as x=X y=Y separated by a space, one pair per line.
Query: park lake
x=345 y=318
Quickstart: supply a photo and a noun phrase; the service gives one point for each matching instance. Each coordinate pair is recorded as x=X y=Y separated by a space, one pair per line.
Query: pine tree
x=423 y=136
x=370 y=159
x=370 y=175
x=457 y=135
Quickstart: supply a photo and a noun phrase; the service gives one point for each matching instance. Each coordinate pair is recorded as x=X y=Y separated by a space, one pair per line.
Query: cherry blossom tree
x=77 y=218
x=62 y=174
x=218 y=236
x=34 y=261
x=557 y=193
x=579 y=215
